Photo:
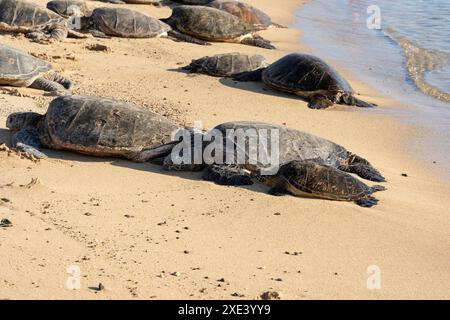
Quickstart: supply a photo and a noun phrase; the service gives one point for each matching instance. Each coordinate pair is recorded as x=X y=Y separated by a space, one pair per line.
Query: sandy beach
x=145 y=233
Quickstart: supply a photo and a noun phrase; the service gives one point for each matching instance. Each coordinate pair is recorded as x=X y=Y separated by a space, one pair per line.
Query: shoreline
x=412 y=107
x=239 y=234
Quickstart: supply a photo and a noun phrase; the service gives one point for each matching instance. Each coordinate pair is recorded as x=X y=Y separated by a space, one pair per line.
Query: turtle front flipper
x=27 y=141
x=227 y=175
x=178 y=36
x=362 y=167
x=319 y=102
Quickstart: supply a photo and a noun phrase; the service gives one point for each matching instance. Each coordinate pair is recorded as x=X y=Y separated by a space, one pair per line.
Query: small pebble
x=270 y=295
x=5 y=223
x=278 y=279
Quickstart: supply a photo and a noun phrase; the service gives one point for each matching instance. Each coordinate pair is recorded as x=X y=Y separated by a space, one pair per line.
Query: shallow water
x=404 y=52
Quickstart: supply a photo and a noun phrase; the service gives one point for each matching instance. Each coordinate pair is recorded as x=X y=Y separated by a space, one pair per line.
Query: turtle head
x=20 y=120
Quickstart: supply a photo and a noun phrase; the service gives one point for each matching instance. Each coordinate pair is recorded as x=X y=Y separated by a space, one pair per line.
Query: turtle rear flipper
x=48 y=85
x=377 y=188
x=227 y=175
x=53 y=32
x=319 y=102
x=98 y=34
x=362 y=167
x=277 y=25
x=249 y=76
x=351 y=100
x=367 y=202
x=178 y=36
x=365 y=171
x=363 y=104
x=257 y=41
x=27 y=141
x=148 y=154
x=58 y=78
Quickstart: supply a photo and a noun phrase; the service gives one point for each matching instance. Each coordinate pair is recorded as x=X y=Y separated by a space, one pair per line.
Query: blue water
x=407 y=57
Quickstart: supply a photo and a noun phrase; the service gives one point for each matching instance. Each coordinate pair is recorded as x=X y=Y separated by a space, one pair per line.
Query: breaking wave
x=420 y=62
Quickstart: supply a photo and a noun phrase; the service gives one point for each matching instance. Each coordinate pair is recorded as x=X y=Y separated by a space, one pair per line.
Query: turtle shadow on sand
x=5 y=136
x=148 y=167
x=257 y=87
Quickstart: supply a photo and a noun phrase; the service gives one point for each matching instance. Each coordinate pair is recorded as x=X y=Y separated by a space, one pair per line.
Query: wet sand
x=145 y=233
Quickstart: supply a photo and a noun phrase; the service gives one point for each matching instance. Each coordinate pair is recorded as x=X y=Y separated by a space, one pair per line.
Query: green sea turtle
x=21 y=69
x=240 y=152
x=95 y=126
x=279 y=144
x=245 y=12
x=312 y=179
x=226 y=65
x=211 y=24
x=69 y=8
x=310 y=78
x=21 y=16
x=127 y=23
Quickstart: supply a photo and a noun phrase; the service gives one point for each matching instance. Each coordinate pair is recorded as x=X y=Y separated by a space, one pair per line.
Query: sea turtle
x=21 y=16
x=308 y=77
x=276 y=145
x=238 y=153
x=127 y=23
x=226 y=65
x=246 y=12
x=95 y=126
x=211 y=24
x=21 y=69
x=312 y=179
x=69 y=8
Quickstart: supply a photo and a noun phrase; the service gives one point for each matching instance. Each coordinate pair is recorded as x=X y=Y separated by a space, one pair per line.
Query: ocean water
x=399 y=47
